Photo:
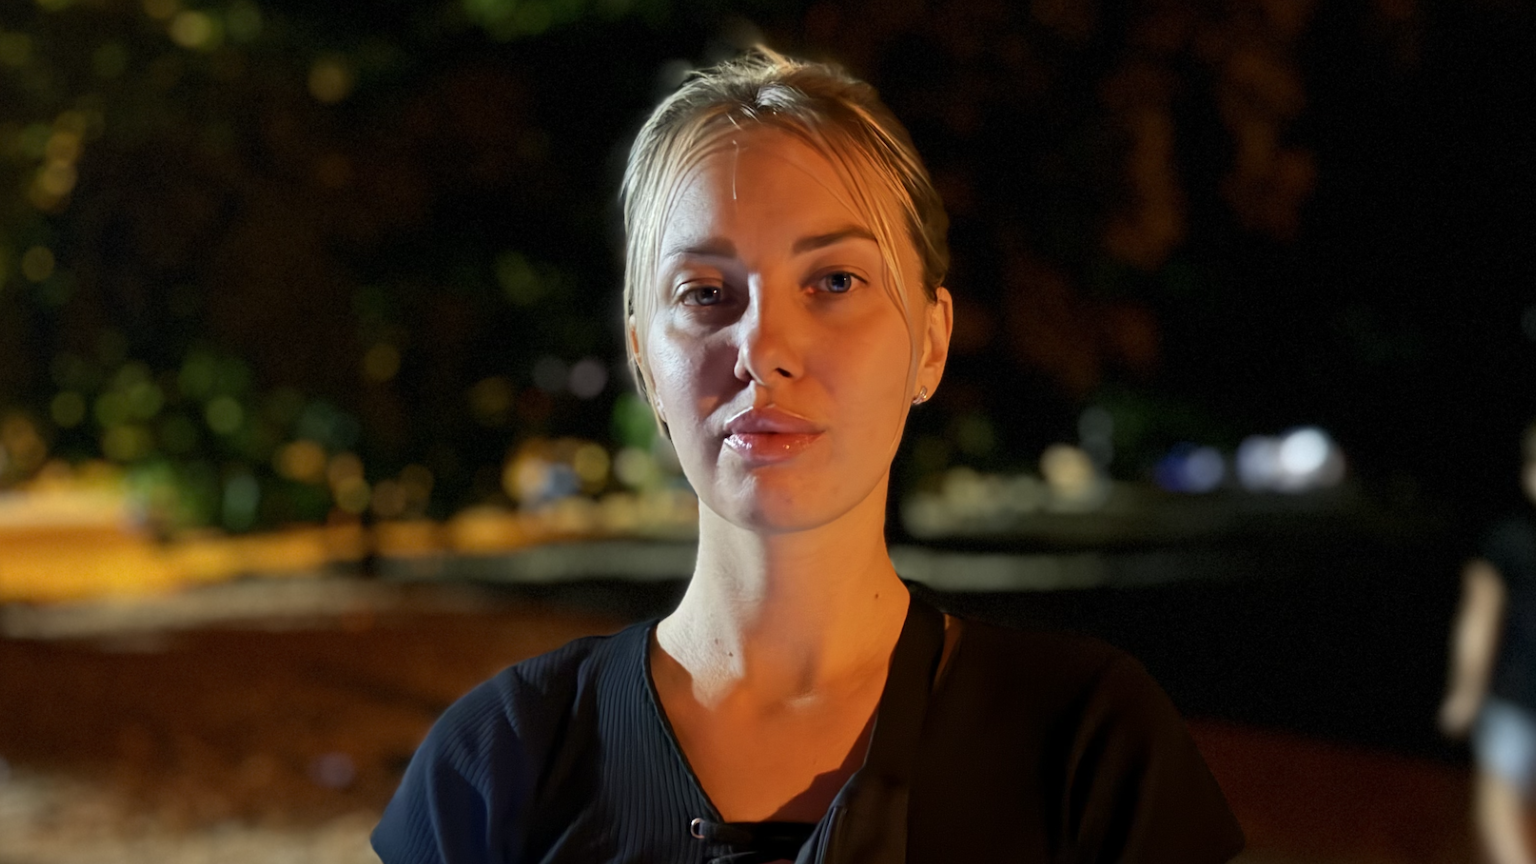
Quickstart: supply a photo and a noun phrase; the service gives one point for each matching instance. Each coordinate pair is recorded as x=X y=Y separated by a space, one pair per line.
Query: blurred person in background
x=1492 y=687
x=785 y=311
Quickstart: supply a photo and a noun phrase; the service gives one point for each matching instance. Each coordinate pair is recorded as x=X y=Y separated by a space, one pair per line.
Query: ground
x=270 y=721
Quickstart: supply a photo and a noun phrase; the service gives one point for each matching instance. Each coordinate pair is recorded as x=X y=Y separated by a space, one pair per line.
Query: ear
x=632 y=333
x=939 y=323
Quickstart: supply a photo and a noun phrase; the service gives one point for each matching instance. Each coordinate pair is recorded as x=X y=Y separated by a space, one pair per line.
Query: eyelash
x=693 y=293
x=853 y=281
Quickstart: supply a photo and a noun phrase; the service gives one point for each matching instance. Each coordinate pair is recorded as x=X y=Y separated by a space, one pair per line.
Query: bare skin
x=1498 y=809
x=775 y=296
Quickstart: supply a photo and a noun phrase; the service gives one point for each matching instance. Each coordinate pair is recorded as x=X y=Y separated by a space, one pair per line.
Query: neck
x=783 y=616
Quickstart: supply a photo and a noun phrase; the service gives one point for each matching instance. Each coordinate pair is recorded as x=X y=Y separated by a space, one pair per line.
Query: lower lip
x=771 y=446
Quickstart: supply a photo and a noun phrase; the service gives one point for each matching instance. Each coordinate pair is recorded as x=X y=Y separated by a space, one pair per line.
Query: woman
x=786 y=254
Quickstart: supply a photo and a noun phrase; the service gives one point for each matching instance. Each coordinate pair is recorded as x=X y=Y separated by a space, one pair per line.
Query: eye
x=703 y=295
x=840 y=282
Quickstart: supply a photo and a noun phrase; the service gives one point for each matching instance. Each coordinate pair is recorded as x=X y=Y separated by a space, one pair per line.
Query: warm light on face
x=773 y=293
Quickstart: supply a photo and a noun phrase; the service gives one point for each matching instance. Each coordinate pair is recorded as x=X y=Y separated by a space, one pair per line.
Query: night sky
x=1213 y=219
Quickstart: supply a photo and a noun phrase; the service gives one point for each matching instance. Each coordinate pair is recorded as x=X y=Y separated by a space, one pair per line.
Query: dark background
x=1210 y=219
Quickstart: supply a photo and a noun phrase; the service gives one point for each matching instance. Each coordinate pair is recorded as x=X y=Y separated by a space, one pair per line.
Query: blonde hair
x=822 y=105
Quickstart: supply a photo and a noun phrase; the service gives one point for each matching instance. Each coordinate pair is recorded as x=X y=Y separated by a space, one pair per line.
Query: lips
x=770 y=434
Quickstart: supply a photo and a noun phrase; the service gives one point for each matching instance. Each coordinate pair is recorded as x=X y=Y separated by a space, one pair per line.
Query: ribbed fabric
x=1032 y=747
x=612 y=786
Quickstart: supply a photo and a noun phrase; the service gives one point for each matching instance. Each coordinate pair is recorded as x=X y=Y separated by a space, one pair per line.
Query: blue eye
x=703 y=295
x=840 y=283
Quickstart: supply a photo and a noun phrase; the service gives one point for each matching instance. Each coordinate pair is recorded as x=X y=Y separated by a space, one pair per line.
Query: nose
x=767 y=354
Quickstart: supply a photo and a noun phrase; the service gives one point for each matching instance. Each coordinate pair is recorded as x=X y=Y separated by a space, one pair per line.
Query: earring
x=921 y=397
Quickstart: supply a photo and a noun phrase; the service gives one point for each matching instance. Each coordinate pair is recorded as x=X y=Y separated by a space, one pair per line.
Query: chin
x=769 y=511
x=783 y=505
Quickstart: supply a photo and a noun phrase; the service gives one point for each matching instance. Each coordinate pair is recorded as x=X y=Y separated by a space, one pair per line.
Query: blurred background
x=314 y=410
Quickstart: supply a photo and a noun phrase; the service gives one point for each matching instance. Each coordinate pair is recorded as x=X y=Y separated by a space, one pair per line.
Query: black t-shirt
x=1510 y=546
x=1029 y=747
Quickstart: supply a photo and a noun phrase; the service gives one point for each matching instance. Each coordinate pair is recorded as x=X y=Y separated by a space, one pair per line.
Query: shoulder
x=467 y=789
x=530 y=700
x=1115 y=756
x=1072 y=681
x=1067 y=665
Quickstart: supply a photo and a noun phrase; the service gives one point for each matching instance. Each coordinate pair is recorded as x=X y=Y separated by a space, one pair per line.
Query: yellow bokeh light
x=635 y=468
x=303 y=461
x=126 y=443
x=331 y=80
x=390 y=499
x=75 y=122
x=19 y=438
x=352 y=495
x=63 y=146
x=37 y=263
x=490 y=399
x=381 y=362
x=343 y=468
x=224 y=415
x=619 y=512
x=1068 y=470
x=591 y=465
x=416 y=481
x=524 y=477
x=196 y=30
x=161 y=10
x=144 y=399
x=57 y=179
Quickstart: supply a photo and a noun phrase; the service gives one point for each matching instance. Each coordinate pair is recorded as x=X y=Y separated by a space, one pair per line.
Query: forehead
x=762 y=180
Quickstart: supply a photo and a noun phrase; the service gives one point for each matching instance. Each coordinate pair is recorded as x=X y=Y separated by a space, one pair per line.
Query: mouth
x=767 y=435
x=770 y=446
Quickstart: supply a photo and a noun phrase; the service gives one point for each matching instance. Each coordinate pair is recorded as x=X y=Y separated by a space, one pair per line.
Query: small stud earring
x=921 y=397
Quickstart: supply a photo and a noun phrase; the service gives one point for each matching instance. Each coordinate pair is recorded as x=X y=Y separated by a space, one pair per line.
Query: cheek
x=670 y=364
x=689 y=373
x=870 y=364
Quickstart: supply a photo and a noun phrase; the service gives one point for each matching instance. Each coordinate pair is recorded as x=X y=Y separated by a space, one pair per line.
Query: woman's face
x=780 y=358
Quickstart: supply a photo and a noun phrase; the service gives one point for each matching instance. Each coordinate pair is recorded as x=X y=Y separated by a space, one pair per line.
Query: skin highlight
x=775 y=297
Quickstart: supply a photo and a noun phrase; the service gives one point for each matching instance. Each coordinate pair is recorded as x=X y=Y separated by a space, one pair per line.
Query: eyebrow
x=713 y=247
x=720 y=247
x=819 y=241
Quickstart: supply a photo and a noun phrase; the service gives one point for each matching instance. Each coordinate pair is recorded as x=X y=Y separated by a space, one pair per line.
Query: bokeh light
x=1191 y=468
x=37 y=263
x=302 y=460
x=161 y=10
x=490 y=400
x=381 y=362
x=588 y=377
x=331 y=79
x=1071 y=474
x=196 y=30
x=1302 y=459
